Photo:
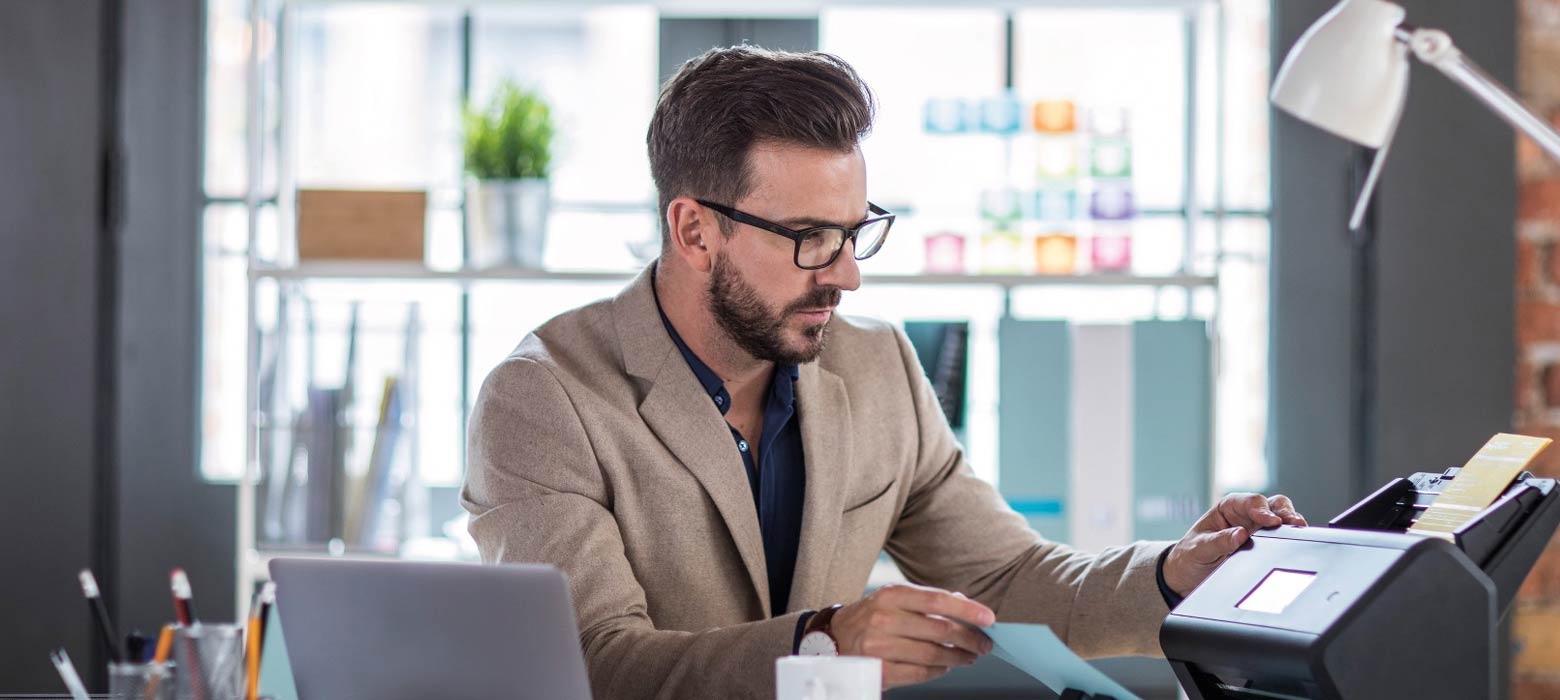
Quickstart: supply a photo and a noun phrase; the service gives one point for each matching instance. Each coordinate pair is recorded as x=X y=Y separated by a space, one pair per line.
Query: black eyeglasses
x=818 y=247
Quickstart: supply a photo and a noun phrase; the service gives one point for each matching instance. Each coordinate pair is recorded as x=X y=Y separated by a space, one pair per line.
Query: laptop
x=395 y=630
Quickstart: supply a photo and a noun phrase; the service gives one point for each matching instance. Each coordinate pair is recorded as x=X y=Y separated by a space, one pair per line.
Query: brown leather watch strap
x=822 y=621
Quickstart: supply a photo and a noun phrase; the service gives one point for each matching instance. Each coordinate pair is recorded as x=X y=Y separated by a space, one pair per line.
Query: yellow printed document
x=1482 y=480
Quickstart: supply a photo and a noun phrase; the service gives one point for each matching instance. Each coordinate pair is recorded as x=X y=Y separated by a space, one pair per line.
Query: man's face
x=768 y=306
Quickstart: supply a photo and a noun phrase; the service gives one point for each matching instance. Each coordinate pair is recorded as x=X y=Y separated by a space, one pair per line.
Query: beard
x=748 y=322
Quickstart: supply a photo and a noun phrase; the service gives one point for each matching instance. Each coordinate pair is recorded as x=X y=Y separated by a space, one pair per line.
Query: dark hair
x=718 y=105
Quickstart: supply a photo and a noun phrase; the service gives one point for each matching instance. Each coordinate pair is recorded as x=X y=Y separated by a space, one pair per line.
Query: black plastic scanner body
x=1361 y=609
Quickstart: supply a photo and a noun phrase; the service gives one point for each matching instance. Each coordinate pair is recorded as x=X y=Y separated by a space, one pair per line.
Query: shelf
x=401 y=272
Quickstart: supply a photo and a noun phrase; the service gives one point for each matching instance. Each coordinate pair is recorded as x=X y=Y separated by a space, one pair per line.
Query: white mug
x=828 y=678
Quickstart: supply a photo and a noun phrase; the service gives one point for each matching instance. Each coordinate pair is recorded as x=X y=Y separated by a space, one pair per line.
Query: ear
x=695 y=233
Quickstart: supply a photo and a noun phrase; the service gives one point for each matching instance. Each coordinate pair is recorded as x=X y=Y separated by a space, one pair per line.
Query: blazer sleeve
x=536 y=494
x=957 y=532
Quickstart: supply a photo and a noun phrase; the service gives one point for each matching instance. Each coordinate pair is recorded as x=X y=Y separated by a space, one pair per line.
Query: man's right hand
x=915 y=630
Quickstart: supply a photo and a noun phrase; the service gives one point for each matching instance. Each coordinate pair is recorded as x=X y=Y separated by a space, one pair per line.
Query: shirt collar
x=707 y=378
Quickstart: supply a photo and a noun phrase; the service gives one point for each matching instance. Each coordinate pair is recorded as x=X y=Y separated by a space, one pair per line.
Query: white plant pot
x=508 y=222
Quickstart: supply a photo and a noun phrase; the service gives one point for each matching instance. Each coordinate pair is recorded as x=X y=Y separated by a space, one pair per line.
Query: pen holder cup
x=140 y=681
x=210 y=660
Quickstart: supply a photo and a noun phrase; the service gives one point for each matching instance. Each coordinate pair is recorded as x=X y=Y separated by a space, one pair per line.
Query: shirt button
x=742 y=445
x=720 y=401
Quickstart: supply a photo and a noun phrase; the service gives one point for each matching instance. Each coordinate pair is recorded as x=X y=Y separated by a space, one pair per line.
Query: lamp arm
x=1435 y=47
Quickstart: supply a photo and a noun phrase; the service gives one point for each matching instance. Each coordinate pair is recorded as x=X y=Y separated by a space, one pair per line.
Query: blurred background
x=253 y=272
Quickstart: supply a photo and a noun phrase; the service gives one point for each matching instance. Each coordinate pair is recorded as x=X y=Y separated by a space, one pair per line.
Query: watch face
x=817 y=644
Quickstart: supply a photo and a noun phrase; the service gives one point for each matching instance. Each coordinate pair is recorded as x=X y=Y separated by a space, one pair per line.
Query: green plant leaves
x=512 y=138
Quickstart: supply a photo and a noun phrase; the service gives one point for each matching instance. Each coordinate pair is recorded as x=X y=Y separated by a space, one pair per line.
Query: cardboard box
x=361 y=225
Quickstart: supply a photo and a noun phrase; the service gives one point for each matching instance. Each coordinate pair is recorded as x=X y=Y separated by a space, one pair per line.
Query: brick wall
x=1536 y=671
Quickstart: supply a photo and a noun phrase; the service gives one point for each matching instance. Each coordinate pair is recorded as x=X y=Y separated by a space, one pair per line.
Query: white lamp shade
x=1347 y=74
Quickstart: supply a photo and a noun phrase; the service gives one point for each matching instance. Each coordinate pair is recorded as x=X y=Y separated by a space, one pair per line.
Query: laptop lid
x=389 y=630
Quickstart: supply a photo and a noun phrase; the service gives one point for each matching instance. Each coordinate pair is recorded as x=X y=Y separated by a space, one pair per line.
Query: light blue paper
x=1036 y=650
x=276 y=678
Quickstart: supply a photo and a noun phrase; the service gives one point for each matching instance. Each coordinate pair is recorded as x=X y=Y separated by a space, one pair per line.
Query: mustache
x=816 y=299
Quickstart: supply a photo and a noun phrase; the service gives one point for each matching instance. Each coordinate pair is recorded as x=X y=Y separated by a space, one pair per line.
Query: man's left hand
x=1221 y=531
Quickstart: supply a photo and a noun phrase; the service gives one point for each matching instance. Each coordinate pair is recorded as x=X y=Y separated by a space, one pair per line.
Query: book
x=325 y=478
x=375 y=488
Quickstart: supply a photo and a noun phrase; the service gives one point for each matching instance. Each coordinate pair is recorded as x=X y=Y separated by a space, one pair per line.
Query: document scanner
x=1361 y=608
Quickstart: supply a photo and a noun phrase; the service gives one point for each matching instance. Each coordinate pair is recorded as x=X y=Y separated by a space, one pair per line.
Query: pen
x=192 y=666
x=105 y=626
x=267 y=600
x=68 y=674
x=183 y=598
x=184 y=612
x=136 y=647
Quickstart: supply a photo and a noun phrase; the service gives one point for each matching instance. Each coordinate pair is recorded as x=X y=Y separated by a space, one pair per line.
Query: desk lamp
x=1348 y=75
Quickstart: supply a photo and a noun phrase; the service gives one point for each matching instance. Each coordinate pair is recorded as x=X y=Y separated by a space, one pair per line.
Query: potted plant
x=508 y=152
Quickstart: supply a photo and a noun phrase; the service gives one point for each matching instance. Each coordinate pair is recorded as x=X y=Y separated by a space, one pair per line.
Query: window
x=369 y=95
x=1147 y=61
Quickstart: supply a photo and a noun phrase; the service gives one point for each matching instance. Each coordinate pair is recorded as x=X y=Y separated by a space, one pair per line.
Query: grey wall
x=1448 y=247
x=50 y=55
x=99 y=327
x=1313 y=290
x=1437 y=346
x=167 y=515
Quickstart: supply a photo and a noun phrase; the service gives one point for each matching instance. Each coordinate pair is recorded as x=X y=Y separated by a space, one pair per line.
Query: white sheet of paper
x=1037 y=651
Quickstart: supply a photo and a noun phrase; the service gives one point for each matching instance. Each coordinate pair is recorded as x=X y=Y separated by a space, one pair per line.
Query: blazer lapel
x=678 y=411
x=681 y=414
x=826 y=442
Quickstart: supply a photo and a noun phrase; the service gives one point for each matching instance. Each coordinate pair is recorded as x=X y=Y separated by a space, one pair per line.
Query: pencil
x=68 y=674
x=252 y=657
x=164 y=648
x=164 y=645
x=183 y=598
x=105 y=626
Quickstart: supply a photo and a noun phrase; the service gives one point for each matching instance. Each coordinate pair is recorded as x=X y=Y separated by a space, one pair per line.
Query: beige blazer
x=594 y=448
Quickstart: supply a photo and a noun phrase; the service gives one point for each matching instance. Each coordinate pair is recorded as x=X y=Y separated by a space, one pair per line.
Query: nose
x=843 y=273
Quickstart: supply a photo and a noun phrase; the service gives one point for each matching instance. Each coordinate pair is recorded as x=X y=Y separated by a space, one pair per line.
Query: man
x=716 y=461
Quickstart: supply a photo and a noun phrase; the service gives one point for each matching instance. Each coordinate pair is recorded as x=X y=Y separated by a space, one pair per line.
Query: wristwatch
x=818 y=638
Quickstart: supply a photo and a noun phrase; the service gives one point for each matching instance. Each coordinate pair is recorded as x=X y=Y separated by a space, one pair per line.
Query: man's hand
x=915 y=630
x=1221 y=531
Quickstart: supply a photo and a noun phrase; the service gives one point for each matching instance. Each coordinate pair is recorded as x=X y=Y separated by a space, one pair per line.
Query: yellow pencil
x=252 y=657
x=164 y=647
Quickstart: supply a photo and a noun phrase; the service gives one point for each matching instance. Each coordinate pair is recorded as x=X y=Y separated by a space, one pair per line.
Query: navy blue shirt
x=778 y=477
